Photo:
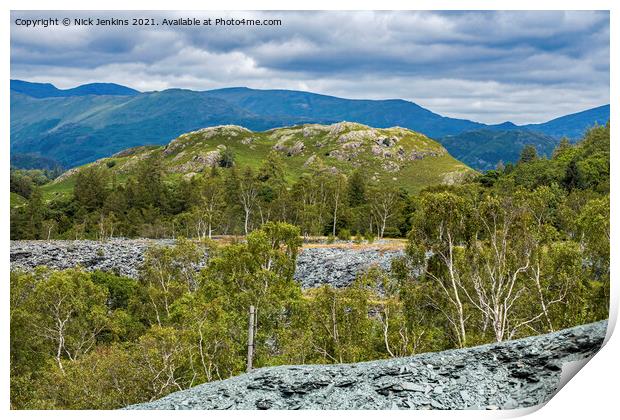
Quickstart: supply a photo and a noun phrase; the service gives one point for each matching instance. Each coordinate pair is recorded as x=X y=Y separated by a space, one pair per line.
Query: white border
x=592 y=394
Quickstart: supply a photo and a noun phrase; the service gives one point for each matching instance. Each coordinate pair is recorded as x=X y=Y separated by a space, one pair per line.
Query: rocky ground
x=508 y=375
x=337 y=265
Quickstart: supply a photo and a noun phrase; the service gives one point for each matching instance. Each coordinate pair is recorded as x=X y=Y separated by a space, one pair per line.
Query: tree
x=500 y=259
x=147 y=188
x=161 y=353
x=272 y=188
x=34 y=215
x=48 y=227
x=385 y=204
x=562 y=147
x=258 y=272
x=593 y=226
x=91 y=187
x=356 y=189
x=272 y=168
x=68 y=313
x=168 y=273
x=312 y=196
x=342 y=330
x=337 y=189
x=441 y=227
x=528 y=154
x=227 y=158
x=208 y=211
x=248 y=191
x=106 y=226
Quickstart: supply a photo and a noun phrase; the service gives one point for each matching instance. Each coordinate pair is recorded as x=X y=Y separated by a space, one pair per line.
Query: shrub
x=344 y=235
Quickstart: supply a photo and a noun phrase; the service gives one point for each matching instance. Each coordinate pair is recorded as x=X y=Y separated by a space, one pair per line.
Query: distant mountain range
x=48 y=90
x=79 y=125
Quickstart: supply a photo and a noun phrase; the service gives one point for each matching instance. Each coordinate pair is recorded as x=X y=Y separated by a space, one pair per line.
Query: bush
x=331 y=239
x=391 y=232
x=227 y=159
x=344 y=235
x=370 y=237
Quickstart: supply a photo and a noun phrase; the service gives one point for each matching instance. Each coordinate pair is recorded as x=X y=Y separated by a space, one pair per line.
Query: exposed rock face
x=507 y=375
x=292 y=150
x=315 y=266
x=199 y=162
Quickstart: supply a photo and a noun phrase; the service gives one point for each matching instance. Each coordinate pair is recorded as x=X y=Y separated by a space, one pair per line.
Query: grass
x=356 y=144
x=17 y=200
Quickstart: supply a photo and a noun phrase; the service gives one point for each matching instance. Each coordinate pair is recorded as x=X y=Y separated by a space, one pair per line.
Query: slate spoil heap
x=315 y=266
x=506 y=375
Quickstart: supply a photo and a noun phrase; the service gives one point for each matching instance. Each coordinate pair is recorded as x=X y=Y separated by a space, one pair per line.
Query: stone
x=264 y=404
x=409 y=386
x=315 y=266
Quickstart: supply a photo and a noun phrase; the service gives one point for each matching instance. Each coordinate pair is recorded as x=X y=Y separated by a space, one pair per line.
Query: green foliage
x=91 y=188
x=528 y=154
x=227 y=160
x=344 y=235
x=198 y=189
x=524 y=250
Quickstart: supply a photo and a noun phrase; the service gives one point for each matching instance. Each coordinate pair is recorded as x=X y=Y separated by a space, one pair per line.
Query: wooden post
x=251 y=326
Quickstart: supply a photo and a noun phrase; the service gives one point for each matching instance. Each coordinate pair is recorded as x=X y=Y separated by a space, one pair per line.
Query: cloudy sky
x=485 y=66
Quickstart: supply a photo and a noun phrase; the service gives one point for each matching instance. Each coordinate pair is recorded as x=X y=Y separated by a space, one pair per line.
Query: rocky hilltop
x=390 y=156
x=335 y=265
x=512 y=374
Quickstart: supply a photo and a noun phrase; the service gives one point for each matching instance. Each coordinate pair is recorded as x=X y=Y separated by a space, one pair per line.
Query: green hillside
x=392 y=157
x=339 y=179
x=484 y=149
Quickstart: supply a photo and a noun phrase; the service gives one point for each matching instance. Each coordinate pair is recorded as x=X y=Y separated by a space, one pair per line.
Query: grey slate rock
x=315 y=266
x=488 y=382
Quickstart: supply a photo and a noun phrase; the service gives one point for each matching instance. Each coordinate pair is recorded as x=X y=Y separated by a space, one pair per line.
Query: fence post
x=251 y=326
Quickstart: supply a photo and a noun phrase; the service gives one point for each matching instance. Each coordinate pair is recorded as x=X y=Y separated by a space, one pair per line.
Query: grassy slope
x=17 y=200
x=483 y=149
x=344 y=146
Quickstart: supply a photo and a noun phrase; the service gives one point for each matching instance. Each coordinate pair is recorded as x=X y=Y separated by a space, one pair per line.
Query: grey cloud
x=486 y=66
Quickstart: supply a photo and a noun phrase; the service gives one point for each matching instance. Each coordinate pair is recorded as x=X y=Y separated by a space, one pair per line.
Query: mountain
x=393 y=156
x=79 y=125
x=80 y=129
x=30 y=161
x=47 y=90
x=483 y=149
x=312 y=106
x=573 y=125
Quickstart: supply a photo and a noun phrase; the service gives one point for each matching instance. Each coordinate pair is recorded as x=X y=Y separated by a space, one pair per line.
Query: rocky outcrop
x=506 y=375
x=337 y=266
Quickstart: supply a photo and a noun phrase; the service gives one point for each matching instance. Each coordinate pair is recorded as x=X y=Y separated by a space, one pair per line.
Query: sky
x=491 y=67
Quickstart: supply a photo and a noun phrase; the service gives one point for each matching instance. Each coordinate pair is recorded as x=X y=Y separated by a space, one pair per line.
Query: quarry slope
x=337 y=265
x=506 y=375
